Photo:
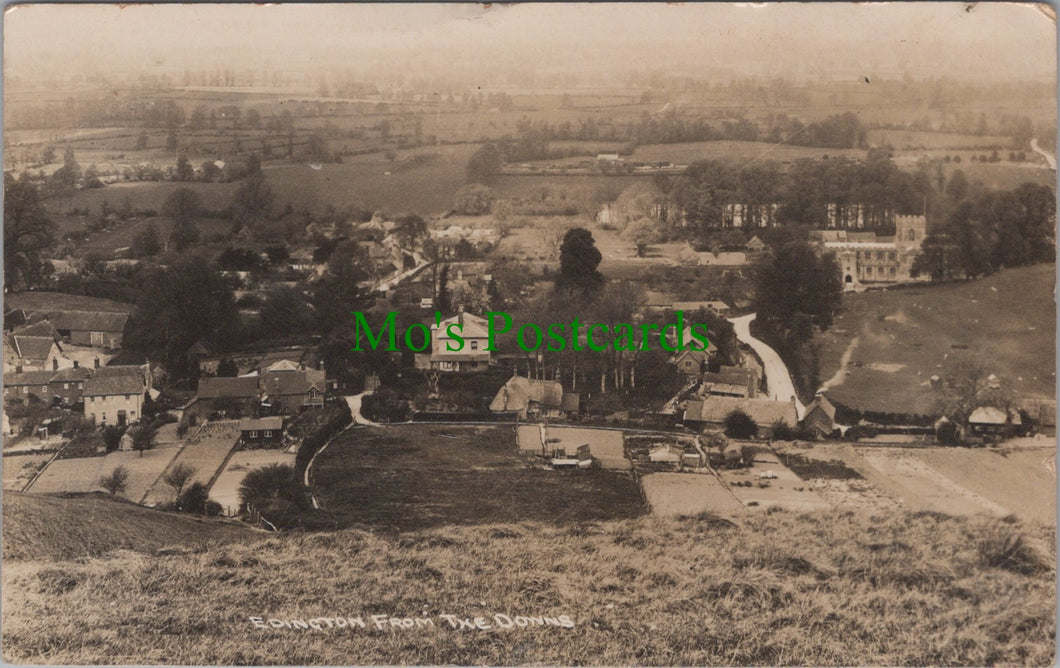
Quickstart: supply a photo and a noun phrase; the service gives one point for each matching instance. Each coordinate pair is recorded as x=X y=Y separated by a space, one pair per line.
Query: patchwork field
x=205 y=452
x=1006 y=321
x=416 y=476
x=83 y=474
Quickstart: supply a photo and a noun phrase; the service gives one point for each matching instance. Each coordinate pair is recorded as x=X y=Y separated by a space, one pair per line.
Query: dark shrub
x=740 y=425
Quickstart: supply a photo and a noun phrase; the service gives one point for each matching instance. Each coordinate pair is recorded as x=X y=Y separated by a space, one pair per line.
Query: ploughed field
x=417 y=476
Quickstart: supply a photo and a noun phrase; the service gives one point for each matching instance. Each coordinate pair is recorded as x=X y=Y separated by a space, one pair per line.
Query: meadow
x=419 y=476
x=778 y=588
x=1006 y=321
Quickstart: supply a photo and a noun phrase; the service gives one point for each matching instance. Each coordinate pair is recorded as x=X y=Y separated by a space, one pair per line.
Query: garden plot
x=605 y=445
x=676 y=494
x=83 y=474
x=769 y=483
x=529 y=438
x=225 y=489
x=205 y=452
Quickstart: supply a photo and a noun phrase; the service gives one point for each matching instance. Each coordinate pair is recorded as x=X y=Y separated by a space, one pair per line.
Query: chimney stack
x=76 y=364
x=55 y=364
x=95 y=362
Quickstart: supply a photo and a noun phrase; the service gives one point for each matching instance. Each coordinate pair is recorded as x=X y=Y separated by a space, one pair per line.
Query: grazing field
x=60 y=301
x=1004 y=175
x=45 y=528
x=422 y=181
x=417 y=476
x=1006 y=321
x=225 y=490
x=148 y=195
x=83 y=474
x=686 y=494
x=830 y=588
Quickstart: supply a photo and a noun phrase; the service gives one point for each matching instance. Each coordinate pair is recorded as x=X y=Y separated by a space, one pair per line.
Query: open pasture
x=414 y=476
x=1006 y=321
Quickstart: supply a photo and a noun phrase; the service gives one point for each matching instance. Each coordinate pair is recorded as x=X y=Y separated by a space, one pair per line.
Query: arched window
x=912 y=235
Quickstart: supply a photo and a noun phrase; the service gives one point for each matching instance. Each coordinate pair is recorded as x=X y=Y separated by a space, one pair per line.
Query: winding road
x=778 y=380
x=1049 y=157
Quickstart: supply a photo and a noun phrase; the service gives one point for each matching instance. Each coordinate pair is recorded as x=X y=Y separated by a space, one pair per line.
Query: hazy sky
x=996 y=40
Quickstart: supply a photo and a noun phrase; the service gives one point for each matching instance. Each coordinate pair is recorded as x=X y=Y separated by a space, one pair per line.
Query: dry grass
x=781 y=589
x=52 y=527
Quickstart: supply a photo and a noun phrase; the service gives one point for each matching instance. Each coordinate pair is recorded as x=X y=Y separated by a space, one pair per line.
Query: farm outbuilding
x=261 y=431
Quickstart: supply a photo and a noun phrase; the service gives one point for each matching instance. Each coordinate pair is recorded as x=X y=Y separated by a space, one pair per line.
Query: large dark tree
x=182 y=205
x=578 y=259
x=484 y=165
x=252 y=202
x=795 y=280
x=181 y=304
x=28 y=233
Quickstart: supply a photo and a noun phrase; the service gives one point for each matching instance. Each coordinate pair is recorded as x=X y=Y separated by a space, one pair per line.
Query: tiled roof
x=89 y=321
x=41 y=328
x=230 y=388
x=33 y=347
x=518 y=392
x=71 y=374
x=113 y=385
x=28 y=378
x=262 y=424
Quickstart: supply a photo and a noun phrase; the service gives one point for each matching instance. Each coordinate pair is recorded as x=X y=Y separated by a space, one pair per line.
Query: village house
x=31 y=349
x=22 y=386
x=993 y=422
x=66 y=386
x=715 y=306
x=712 y=411
x=820 y=417
x=114 y=399
x=691 y=363
x=261 y=432
x=226 y=395
x=289 y=390
x=447 y=354
x=529 y=398
x=755 y=245
x=101 y=329
x=689 y=256
x=729 y=381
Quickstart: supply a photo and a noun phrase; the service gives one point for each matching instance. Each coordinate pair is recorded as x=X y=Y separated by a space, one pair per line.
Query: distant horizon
x=990 y=42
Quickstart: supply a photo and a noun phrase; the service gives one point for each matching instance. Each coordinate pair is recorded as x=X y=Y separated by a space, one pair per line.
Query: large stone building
x=866 y=260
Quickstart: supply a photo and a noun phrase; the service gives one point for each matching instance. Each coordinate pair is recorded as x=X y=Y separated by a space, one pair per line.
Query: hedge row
x=338 y=418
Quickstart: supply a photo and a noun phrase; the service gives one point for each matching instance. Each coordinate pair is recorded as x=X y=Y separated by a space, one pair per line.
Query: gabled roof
x=90 y=321
x=40 y=328
x=822 y=402
x=27 y=378
x=280 y=383
x=730 y=375
x=113 y=385
x=33 y=347
x=262 y=424
x=764 y=412
x=283 y=365
x=227 y=388
x=472 y=326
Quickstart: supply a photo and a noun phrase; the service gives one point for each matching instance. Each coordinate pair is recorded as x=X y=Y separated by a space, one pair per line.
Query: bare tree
x=179 y=476
x=116 y=481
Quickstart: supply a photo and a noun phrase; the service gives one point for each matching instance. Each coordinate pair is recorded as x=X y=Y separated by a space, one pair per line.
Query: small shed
x=261 y=431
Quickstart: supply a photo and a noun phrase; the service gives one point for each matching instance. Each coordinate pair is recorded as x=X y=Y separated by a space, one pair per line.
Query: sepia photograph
x=553 y=334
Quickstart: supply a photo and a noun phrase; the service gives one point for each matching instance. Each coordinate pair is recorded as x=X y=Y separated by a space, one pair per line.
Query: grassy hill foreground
x=832 y=588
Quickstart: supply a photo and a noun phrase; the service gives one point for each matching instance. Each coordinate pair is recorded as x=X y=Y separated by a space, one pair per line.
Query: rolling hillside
x=831 y=588
x=38 y=527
